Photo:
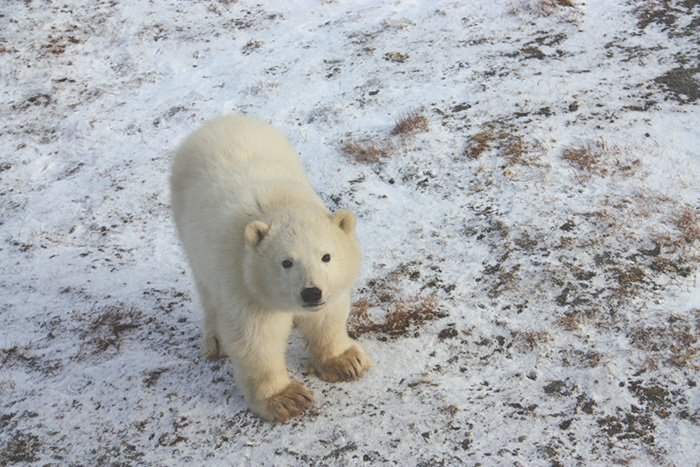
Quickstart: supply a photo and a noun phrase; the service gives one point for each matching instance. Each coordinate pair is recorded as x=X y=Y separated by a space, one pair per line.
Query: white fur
x=243 y=206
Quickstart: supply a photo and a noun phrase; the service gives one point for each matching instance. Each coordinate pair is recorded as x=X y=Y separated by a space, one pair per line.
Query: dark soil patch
x=682 y=83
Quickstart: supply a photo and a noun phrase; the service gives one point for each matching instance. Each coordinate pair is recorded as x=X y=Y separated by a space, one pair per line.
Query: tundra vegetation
x=525 y=178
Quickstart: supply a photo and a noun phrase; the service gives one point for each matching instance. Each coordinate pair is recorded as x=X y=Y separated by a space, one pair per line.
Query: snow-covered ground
x=529 y=285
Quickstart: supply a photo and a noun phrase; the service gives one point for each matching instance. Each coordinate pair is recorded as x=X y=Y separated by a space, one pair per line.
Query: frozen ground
x=529 y=291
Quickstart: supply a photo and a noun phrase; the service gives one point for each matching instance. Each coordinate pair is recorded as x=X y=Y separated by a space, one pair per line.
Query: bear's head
x=302 y=259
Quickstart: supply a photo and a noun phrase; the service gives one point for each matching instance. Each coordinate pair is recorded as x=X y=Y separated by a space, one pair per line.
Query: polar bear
x=266 y=254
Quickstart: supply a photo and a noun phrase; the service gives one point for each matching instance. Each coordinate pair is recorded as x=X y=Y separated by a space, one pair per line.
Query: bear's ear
x=344 y=219
x=255 y=232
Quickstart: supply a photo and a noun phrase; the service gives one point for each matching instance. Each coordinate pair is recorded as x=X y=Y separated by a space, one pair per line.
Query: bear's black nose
x=311 y=295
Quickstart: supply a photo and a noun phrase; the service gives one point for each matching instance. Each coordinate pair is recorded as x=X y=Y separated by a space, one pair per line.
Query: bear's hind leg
x=209 y=342
x=209 y=346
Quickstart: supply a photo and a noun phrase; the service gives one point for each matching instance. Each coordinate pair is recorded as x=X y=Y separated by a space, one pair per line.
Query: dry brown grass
x=673 y=342
x=675 y=226
x=19 y=447
x=397 y=24
x=507 y=280
x=648 y=217
x=367 y=151
x=542 y=7
x=411 y=123
x=27 y=355
x=479 y=143
x=511 y=146
x=16 y=354
x=530 y=340
x=261 y=87
x=105 y=325
x=396 y=57
x=650 y=11
x=588 y=159
x=600 y=159
x=687 y=222
x=557 y=3
x=403 y=315
x=629 y=279
x=573 y=320
x=377 y=150
x=580 y=358
x=516 y=151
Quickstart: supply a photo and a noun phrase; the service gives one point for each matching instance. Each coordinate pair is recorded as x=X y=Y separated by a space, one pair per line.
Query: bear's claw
x=289 y=403
x=348 y=366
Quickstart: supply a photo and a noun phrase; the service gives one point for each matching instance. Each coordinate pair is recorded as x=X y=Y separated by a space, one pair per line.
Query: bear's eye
x=326 y=258
x=286 y=264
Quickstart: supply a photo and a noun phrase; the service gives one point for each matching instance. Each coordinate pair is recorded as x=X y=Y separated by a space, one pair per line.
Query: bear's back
x=236 y=167
x=236 y=150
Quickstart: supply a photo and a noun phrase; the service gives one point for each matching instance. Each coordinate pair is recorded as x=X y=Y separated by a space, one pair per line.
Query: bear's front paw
x=348 y=366
x=289 y=403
